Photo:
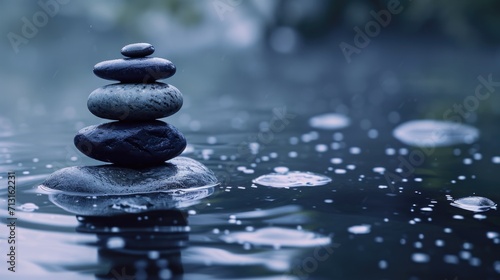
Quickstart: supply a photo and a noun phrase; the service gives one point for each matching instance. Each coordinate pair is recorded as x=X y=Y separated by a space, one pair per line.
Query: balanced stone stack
x=136 y=138
x=147 y=172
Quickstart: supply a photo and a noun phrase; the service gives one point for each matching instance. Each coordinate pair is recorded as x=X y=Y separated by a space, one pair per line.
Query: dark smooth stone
x=135 y=70
x=131 y=143
x=138 y=50
x=135 y=102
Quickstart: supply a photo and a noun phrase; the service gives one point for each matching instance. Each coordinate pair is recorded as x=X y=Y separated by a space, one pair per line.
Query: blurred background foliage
x=230 y=47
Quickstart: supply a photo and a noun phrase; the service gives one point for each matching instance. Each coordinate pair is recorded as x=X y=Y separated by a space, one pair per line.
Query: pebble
x=135 y=70
x=138 y=50
x=135 y=102
x=131 y=143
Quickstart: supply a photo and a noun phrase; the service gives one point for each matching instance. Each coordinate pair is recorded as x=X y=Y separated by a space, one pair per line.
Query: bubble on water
x=439 y=243
x=380 y=170
x=336 y=160
x=420 y=257
x=278 y=237
x=495 y=160
x=281 y=169
x=340 y=171
x=293 y=154
x=427 y=209
x=115 y=243
x=492 y=234
x=474 y=203
x=329 y=121
x=292 y=179
x=372 y=133
x=382 y=264
x=308 y=137
x=479 y=216
x=28 y=207
x=390 y=151
x=458 y=217
x=382 y=187
x=355 y=150
x=360 y=229
x=467 y=161
x=328 y=200
x=321 y=148
x=432 y=133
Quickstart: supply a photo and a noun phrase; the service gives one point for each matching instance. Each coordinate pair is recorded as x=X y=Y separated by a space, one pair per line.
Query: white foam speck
x=360 y=229
x=420 y=257
x=329 y=121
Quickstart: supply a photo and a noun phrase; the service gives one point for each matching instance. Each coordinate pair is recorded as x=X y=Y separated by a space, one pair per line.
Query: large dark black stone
x=135 y=70
x=131 y=143
x=138 y=50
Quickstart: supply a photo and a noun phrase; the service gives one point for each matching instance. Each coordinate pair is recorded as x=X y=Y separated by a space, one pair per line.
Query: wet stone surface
x=131 y=143
x=135 y=102
x=180 y=173
x=135 y=70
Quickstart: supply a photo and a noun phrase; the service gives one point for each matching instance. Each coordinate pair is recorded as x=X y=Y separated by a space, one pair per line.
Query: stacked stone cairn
x=147 y=172
x=136 y=138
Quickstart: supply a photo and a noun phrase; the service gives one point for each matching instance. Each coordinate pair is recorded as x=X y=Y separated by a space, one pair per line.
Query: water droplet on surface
x=360 y=229
x=474 y=203
x=432 y=133
x=28 y=207
x=420 y=257
x=329 y=121
x=278 y=237
x=115 y=243
x=292 y=179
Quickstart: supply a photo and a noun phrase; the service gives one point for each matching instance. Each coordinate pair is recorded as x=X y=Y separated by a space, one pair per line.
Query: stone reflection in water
x=139 y=246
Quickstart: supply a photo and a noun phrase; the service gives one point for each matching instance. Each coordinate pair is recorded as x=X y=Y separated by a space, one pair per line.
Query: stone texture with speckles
x=135 y=102
x=145 y=143
x=135 y=70
x=180 y=173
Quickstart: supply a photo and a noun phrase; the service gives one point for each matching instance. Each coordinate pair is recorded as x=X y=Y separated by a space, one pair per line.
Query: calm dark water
x=357 y=226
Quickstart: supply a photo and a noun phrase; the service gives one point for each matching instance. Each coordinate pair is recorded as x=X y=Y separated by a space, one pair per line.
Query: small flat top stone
x=138 y=50
x=135 y=70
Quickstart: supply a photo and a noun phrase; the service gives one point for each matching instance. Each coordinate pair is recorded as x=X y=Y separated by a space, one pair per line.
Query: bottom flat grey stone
x=109 y=190
x=180 y=173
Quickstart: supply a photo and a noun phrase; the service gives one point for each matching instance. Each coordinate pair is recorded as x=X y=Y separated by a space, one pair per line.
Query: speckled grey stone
x=109 y=190
x=144 y=143
x=135 y=70
x=138 y=50
x=135 y=102
x=179 y=174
